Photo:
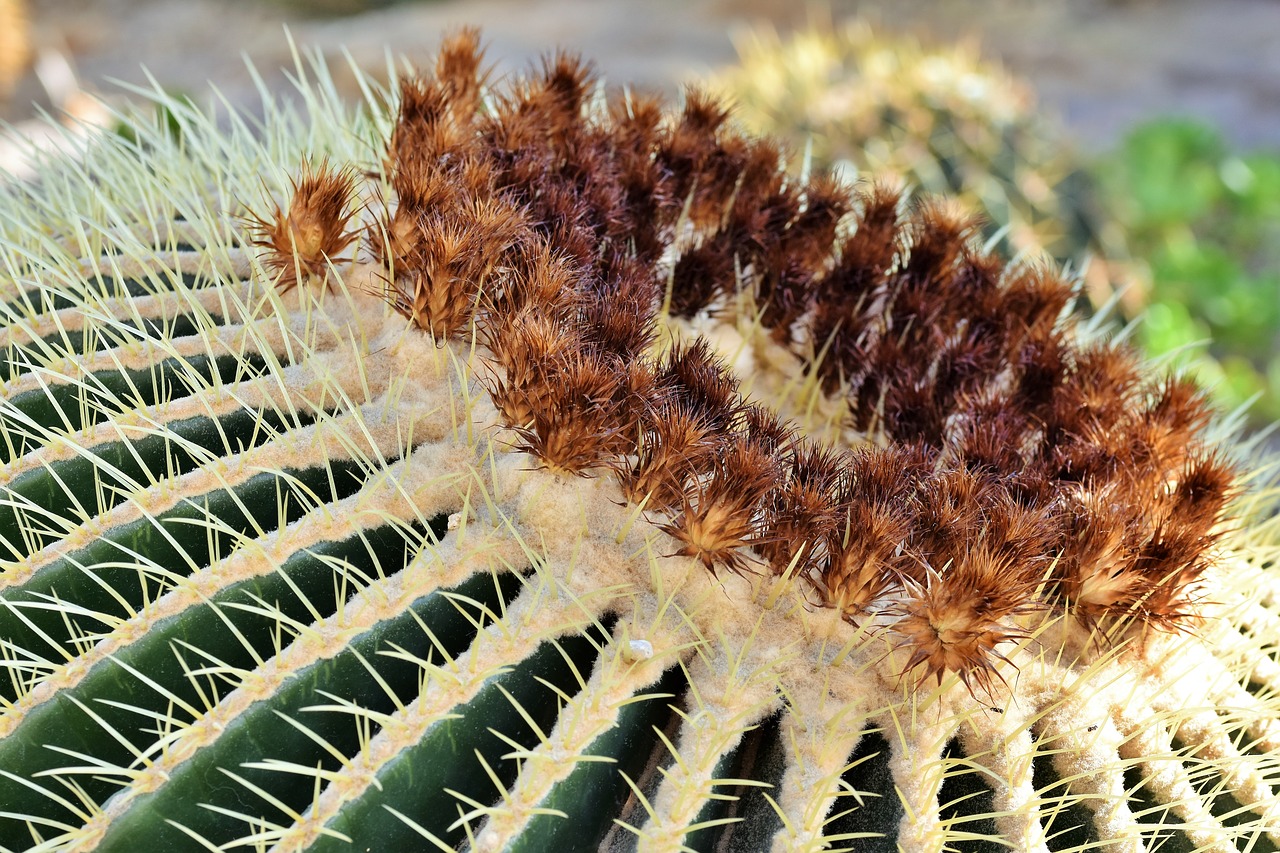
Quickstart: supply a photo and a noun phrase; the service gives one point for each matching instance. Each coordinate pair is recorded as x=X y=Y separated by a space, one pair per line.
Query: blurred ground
x=1100 y=65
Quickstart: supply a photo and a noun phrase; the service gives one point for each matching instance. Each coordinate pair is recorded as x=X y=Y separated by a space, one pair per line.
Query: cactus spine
x=416 y=510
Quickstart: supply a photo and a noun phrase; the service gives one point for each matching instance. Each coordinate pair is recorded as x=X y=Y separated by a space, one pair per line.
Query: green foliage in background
x=1206 y=220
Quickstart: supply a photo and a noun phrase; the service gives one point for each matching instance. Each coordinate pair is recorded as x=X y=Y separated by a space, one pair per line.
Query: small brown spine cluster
x=302 y=241
x=450 y=227
x=1009 y=471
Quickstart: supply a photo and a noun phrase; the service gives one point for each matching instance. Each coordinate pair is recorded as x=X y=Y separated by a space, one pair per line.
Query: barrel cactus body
x=443 y=502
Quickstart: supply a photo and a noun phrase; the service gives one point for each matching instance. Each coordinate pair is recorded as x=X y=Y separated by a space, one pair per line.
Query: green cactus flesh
x=277 y=574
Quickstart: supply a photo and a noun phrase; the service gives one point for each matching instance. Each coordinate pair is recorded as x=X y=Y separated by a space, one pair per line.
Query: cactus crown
x=558 y=470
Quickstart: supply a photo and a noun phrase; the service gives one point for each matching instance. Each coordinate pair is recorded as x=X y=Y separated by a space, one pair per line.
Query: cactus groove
x=420 y=507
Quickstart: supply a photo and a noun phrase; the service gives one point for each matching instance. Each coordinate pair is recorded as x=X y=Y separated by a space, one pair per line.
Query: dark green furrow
x=967 y=803
x=752 y=758
x=67 y=407
x=760 y=756
x=1222 y=802
x=595 y=791
x=1152 y=813
x=17 y=359
x=869 y=808
x=449 y=754
x=162 y=279
x=82 y=486
x=262 y=732
x=657 y=761
x=315 y=585
x=1069 y=826
x=176 y=540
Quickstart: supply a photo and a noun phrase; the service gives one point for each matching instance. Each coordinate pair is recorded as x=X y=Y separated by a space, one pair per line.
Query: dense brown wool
x=1008 y=470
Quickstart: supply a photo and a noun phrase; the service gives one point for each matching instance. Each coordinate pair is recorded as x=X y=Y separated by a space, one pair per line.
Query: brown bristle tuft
x=767 y=431
x=528 y=351
x=701 y=275
x=577 y=423
x=801 y=512
x=717 y=519
x=953 y=620
x=1036 y=299
x=446 y=261
x=314 y=231
x=864 y=556
x=618 y=318
x=566 y=81
x=675 y=443
x=459 y=68
x=940 y=232
x=1206 y=485
x=812 y=233
x=695 y=375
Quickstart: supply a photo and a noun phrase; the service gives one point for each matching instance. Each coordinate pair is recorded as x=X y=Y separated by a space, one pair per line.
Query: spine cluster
x=1009 y=471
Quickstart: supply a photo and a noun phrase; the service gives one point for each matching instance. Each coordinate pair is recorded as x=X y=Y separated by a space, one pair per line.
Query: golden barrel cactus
x=542 y=469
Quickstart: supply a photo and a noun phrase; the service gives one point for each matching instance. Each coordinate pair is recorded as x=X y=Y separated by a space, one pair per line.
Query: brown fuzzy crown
x=1008 y=471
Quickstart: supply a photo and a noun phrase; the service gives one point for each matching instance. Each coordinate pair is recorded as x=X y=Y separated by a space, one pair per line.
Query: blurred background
x=1135 y=141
